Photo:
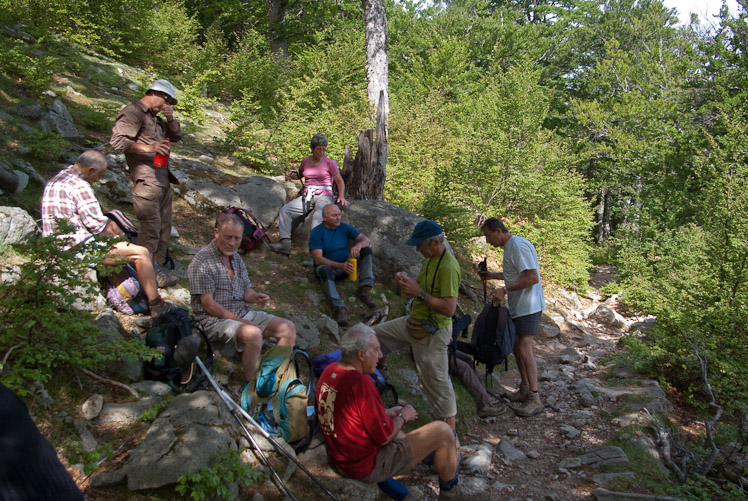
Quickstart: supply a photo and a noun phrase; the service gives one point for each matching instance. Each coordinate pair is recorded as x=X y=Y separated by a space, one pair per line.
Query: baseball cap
x=423 y=230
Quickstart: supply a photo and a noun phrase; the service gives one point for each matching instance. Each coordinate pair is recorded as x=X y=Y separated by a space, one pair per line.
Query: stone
x=87 y=439
x=16 y=226
x=604 y=455
x=510 y=452
x=328 y=327
x=569 y=431
x=549 y=331
x=58 y=119
x=152 y=388
x=12 y=181
x=108 y=479
x=110 y=326
x=30 y=111
x=569 y=355
x=306 y=330
x=315 y=297
x=607 y=316
x=609 y=478
x=479 y=461
x=206 y=159
x=127 y=412
x=184 y=438
x=92 y=406
x=570 y=463
x=533 y=454
x=409 y=376
x=315 y=460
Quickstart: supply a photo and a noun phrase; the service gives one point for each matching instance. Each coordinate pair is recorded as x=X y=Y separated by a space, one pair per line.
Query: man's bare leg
x=140 y=258
x=436 y=437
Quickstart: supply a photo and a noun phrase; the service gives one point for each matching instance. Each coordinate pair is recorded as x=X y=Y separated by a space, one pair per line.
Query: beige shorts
x=224 y=330
x=392 y=460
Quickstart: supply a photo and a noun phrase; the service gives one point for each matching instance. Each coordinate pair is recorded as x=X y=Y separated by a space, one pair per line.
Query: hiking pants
x=328 y=275
x=468 y=376
x=430 y=354
x=295 y=208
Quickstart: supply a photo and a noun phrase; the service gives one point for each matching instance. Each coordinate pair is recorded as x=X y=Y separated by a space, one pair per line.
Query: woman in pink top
x=320 y=173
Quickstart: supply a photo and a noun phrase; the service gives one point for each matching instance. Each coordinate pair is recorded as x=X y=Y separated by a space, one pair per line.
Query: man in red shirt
x=364 y=440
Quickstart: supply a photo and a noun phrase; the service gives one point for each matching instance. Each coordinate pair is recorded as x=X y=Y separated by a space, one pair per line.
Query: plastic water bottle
x=354 y=274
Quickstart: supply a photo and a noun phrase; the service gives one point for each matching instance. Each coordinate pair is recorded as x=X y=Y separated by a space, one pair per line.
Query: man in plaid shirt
x=69 y=196
x=221 y=294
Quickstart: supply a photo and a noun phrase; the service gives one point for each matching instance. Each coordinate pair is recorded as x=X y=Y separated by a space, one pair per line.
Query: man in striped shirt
x=69 y=196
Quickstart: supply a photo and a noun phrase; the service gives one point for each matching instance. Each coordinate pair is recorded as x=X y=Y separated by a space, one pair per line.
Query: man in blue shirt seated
x=328 y=243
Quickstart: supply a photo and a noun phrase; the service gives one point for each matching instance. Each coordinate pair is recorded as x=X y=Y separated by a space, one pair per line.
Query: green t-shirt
x=446 y=284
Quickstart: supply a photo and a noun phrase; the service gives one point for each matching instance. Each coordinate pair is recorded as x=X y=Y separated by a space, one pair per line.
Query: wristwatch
x=400 y=415
x=422 y=296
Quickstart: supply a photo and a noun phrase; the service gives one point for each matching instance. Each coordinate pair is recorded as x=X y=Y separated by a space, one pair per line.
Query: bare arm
x=527 y=279
x=361 y=242
x=214 y=309
x=258 y=298
x=338 y=180
x=408 y=414
x=321 y=260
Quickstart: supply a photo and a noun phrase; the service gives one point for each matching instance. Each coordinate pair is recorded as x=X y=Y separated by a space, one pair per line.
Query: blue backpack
x=279 y=399
x=386 y=390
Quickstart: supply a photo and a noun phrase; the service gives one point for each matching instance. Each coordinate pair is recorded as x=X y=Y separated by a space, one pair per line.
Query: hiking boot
x=492 y=410
x=457 y=492
x=519 y=395
x=531 y=407
x=160 y=309
x=364 y=294
x=282 y=246
x=163 y=280
x=308 y=262
x=341 y=316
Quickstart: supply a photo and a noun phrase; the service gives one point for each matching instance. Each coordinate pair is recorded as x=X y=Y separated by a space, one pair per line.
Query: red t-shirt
x=352 y=418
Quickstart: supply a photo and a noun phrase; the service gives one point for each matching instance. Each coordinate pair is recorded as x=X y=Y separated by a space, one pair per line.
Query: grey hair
x=91 y=158
x=356 y=338
x=225 y=218
x=318 y=140
x=436 y=238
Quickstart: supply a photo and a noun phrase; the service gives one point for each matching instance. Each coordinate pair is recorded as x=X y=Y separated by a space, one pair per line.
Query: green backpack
x=278 y=401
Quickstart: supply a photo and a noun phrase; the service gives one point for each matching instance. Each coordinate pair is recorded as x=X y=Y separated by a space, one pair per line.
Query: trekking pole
x=227 y=401
x=234 y=408
x=483 y=267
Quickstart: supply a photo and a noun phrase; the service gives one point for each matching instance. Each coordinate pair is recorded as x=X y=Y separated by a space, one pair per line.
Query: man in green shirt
x=428 y=328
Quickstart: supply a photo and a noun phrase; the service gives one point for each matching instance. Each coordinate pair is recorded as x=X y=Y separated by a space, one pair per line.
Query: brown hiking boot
x=519 y=395
x=531 y=406
x=457 y=492
x=282 y=246
x=163 y=280
x=364 y=294
x=160 y=309
x=341 y=316
x=492 y=410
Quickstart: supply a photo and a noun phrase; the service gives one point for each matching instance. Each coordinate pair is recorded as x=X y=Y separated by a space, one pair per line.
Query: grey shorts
x=392 y=460
x=224 y=330
x=528 y=325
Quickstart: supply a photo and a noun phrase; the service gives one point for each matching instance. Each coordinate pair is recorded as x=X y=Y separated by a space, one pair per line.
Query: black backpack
x=493 y=337
x=166 y=334
x=254 y=232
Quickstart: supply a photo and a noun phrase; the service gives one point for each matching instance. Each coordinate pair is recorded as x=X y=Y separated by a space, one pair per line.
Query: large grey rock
x=86 y=437
x=328 y=326
x=110 y=326
x=208 y=188
x=127 y=412
x=183 y=439
x=609 y=478
x=307 y=333
x=315 y=460
x=479 y=460
x=58 y=119
x=30 y=111
x=16 y=225
x=107 y=479
x=12 y=181
x=607 y=316
x=23 y=165
x=152 y=388
x=604 y=455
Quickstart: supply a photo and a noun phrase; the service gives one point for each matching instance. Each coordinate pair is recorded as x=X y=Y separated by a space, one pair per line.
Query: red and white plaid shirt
x=69 y=195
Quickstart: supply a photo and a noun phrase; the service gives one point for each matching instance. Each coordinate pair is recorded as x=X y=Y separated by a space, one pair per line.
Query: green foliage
x=210 y=482
x=700 y=488
x=153 y=411
x=169 y=39
x=47 y=146
x=90 y=460
x=18 y=62
x=42 y=330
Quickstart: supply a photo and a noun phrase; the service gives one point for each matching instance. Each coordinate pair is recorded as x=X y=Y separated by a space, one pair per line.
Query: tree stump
x=364 y=176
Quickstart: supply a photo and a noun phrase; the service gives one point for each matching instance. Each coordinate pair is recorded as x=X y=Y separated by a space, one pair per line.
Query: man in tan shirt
x=142 y=134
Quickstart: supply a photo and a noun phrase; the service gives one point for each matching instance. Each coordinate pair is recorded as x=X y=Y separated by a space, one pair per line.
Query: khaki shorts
x=224 y=331
x=392 y=460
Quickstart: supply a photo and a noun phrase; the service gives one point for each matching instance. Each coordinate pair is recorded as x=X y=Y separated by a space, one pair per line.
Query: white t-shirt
x=520 y=255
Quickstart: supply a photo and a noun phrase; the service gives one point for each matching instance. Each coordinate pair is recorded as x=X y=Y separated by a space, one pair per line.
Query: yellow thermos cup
x=354 y=274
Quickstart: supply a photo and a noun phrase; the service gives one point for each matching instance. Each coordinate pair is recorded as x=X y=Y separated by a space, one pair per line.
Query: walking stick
x=483 y=268
x=234 y=408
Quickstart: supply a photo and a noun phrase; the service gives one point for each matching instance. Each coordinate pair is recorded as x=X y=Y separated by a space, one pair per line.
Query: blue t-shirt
x=520 y=255
x=334 y=243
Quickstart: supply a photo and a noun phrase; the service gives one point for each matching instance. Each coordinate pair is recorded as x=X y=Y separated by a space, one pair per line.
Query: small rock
x=410 y=376
x=533 y=454
x=509 y=451
x=569 y=431
x=570 y=463
x=108 y=479
x=92 y=406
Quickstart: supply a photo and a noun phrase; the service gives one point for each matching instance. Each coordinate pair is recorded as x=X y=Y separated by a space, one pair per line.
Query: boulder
x=59 y=120
x=16 y=225
x=111 y=328
x=92 y=406
x=607 y=316
x=12 y=181
x=183 y=439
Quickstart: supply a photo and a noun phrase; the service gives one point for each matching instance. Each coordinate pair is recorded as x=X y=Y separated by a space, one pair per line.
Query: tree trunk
x=364 y=176
x=376 y=54
x=277 y=37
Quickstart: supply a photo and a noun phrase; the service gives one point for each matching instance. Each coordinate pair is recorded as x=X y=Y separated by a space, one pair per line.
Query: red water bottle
x=160 y=160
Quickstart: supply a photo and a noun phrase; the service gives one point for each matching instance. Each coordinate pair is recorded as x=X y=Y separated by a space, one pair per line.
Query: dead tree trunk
x=364 y=176
x=377 y=72
x=277 y=37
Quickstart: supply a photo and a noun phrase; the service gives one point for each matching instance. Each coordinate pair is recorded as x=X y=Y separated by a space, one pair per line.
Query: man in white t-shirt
x=526 y=304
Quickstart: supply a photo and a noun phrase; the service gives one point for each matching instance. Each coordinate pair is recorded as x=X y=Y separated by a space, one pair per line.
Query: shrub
x=42 y=330
x=29 y=71
x=210 y=482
